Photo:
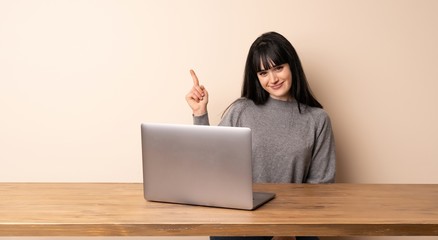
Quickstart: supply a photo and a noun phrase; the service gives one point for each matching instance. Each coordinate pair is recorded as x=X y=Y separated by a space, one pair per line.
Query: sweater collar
x=275 y=102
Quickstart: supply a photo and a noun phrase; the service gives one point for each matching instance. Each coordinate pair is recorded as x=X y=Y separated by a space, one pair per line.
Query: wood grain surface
x=119 y=209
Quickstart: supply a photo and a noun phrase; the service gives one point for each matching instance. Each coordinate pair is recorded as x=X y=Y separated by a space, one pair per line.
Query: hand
x=197 y=98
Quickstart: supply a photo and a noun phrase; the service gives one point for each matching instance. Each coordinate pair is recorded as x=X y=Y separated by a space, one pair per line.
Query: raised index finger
x=194 y=77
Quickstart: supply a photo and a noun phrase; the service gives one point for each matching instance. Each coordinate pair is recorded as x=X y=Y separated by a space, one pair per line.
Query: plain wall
x=78 y=77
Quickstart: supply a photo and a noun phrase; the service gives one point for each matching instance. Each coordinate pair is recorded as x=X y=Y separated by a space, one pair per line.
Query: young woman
x=292 y=135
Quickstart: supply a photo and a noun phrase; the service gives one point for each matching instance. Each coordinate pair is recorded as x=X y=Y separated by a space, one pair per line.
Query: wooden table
x=118 y=209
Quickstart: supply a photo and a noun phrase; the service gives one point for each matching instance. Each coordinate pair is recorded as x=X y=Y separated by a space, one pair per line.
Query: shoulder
x=318 y=115
x=233 y=114
x=240 y=104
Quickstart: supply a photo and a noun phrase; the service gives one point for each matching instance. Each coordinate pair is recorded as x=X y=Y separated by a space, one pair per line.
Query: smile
x=277 y=86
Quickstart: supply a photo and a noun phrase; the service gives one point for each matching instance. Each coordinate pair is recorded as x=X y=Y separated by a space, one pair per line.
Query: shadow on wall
x=344 y=161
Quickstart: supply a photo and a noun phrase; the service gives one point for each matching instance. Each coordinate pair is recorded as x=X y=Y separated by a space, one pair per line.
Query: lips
x=276 y=86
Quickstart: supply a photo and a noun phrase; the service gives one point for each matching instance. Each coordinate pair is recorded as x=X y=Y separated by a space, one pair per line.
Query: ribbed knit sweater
x=287 y=146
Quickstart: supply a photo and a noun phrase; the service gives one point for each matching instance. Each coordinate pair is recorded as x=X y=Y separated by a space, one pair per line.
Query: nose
x=273 y=77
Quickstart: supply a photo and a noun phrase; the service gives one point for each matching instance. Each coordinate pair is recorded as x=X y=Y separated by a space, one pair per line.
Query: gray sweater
x=287 y=146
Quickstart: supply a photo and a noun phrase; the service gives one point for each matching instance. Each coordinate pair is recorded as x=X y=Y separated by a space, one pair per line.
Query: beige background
x=78 y=77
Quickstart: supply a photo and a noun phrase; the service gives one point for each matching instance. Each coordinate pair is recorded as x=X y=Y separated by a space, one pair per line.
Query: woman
x=292 y=135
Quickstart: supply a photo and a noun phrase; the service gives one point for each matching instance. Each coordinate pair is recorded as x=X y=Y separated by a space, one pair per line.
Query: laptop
x=199 y=165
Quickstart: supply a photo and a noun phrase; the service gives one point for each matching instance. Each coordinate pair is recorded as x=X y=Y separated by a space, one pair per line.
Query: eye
x=279 y=68
x=262 y=73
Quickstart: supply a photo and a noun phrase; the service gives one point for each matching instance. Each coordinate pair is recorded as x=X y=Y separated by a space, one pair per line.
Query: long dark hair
x=272 y=49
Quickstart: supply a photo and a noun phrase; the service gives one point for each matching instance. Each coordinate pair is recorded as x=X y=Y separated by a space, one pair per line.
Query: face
x=277 y=81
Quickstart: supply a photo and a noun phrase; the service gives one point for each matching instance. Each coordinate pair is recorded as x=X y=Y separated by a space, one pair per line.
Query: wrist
x=199 y=113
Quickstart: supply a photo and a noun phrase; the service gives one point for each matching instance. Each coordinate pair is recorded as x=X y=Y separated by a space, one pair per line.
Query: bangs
x=268 y=55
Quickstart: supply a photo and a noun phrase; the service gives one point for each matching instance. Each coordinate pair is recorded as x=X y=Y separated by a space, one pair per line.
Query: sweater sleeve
x=323 y=165
x=201 y=120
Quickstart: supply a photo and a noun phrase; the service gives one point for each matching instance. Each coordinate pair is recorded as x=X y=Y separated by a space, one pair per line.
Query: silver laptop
x=199 y=165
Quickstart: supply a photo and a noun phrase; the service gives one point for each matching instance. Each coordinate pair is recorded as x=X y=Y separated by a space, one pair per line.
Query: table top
x=119 y=209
